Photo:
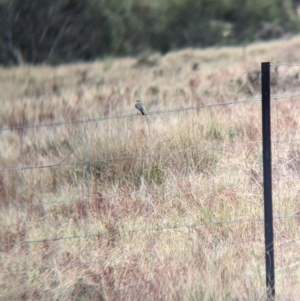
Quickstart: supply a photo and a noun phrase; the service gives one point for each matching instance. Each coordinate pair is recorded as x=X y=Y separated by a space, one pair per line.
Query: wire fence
x=156 y=207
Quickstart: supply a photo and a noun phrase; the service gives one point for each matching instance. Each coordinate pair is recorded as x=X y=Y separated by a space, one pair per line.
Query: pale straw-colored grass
x=163 y=207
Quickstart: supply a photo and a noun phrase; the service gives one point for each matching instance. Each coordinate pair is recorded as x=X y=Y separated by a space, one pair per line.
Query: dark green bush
x=56 y=31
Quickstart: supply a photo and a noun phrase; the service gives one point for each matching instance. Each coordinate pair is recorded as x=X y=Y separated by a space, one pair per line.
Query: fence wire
x=96 y=231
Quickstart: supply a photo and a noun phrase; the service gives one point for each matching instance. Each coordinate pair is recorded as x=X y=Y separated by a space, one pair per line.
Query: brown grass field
x=166 y=206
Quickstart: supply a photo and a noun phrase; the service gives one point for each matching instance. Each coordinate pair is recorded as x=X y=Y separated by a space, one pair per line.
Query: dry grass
x=144 y=205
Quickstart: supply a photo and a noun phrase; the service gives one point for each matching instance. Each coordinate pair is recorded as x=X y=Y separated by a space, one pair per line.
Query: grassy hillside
x=101 y=203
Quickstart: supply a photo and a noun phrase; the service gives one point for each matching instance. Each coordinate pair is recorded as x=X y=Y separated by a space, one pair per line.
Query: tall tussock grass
x=101 y=203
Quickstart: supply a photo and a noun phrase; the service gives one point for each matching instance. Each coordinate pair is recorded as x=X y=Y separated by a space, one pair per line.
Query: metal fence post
x=267 y=174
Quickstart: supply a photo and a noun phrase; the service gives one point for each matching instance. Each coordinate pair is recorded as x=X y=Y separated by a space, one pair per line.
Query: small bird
x=139 y=105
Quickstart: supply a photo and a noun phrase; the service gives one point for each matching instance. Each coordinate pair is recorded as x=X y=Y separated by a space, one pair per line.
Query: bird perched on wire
x=140 y=106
